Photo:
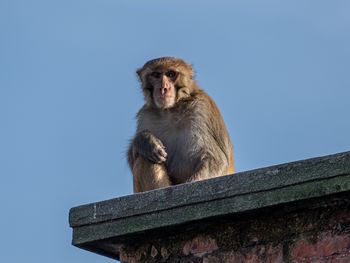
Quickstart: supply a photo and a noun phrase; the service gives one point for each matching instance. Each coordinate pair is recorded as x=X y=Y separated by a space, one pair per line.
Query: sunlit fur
x=182 y=143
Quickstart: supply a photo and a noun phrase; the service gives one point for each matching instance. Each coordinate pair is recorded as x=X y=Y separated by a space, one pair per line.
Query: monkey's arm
x=216 y=152
x=148 y=146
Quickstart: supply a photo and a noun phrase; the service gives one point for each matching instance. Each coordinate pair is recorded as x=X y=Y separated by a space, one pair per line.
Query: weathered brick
x=211 y=259
x=232 y=257
x=154 y=252
x=199 y=246
x=256 y=254
x=266 y=254
x=326 y=245
x=165 y=253
x=125 y=258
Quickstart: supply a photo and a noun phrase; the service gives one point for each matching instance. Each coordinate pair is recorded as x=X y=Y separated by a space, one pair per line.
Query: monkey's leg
x=230 y=169
x=209 y=168
x=148 y=175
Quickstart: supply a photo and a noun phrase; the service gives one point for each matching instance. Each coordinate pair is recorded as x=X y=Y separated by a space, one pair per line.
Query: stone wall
x=318 y=234
x=294 y=212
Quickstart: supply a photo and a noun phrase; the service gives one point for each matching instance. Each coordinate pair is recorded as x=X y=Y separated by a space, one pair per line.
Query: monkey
x=181 y=136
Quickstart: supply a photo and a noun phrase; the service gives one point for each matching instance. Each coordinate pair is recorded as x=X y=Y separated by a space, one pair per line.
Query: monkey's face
x=165 y=81
x=162 y=85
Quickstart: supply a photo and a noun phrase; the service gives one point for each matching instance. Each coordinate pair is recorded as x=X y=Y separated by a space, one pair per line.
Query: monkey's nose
x=163 y=90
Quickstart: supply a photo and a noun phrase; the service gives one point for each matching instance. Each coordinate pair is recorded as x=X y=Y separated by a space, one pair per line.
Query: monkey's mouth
x=164 y=101
x=165 y=96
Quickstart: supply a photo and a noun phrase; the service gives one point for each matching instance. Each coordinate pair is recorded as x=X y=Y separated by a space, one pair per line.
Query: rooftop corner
x=103 y=227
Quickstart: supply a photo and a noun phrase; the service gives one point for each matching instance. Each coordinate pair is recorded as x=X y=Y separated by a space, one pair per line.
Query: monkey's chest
x=185 y=146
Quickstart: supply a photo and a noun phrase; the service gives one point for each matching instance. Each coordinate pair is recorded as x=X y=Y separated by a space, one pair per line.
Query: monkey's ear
x=139 y=73
x=191 y=70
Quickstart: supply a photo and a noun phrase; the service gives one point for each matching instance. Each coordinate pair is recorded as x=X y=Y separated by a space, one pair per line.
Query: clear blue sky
x=279 y=71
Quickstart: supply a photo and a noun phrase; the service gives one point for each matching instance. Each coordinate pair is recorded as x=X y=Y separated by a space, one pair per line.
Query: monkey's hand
x=149 y=146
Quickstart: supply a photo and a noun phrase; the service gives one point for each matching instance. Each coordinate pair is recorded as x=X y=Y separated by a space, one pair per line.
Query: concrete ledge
x=101 y=226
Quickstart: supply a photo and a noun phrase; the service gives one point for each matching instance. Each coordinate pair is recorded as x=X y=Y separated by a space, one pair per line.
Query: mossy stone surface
x=245 y=192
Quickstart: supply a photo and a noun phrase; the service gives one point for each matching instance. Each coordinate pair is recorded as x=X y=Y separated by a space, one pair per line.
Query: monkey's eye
x=156 y=75
x=171 y=74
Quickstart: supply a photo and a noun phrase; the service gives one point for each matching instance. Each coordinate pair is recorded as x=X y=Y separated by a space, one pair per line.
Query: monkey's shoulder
x=198 y=108
x=197 y=101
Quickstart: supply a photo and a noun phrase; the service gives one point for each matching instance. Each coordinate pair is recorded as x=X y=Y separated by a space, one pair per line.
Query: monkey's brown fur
x=181 y=135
